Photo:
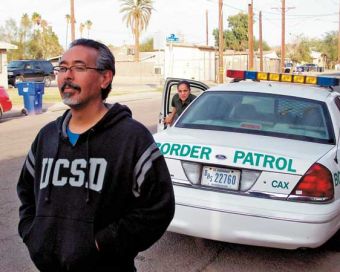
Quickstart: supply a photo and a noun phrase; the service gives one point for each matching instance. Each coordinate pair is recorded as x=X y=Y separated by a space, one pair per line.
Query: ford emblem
x=221 y=157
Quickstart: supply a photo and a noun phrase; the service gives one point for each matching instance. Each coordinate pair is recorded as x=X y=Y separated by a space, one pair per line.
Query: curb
x=14 y=112
x=60 y=106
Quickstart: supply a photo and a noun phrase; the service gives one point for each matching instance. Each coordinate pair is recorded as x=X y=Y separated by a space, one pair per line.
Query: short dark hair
x=105 y=61
x=186 y=83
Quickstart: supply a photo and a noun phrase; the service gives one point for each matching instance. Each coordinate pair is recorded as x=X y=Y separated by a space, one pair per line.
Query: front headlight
x=193 y=171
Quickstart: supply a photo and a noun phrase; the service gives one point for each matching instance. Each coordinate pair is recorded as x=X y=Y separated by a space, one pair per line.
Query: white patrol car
x=256 y=162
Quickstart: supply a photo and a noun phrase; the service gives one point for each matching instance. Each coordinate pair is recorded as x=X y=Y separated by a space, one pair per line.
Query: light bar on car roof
x=303 y=79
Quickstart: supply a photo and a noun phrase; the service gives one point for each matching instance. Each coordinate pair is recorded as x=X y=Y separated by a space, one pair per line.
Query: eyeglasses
x=74 y=68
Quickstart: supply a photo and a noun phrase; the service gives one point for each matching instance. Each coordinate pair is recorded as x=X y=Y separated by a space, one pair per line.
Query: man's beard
x=68 y=98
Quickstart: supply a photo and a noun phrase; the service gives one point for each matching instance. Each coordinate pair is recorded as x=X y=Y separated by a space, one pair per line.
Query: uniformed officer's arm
x=170 y=117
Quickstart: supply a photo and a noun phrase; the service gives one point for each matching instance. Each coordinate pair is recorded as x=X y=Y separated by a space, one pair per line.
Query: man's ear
x=107 y=77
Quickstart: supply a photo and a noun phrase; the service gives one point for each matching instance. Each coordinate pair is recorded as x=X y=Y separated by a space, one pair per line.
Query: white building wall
x=189 y=62
x=3 y=69
x=3 y=62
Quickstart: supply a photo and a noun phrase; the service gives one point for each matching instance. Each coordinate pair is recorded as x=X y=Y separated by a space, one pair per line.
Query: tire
x=0 y=114
x=47 y=81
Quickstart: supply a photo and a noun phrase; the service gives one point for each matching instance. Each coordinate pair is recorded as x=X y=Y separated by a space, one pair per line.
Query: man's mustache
x=70 y=85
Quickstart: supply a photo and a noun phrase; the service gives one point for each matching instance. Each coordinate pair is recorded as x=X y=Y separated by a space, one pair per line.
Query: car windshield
x=16 y=64
x=262 y=114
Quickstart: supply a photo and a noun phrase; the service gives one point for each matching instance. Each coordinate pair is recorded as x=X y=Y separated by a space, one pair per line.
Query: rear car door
x=38 y=71
x=169 y=90
x=29 y=71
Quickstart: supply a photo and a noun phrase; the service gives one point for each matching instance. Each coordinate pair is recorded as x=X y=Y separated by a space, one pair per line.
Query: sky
x=184 y=18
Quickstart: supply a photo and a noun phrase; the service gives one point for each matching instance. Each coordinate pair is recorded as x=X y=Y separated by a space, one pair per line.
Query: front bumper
x=253 y=221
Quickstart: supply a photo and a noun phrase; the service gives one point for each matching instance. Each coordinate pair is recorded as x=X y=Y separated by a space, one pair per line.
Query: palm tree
x=44 y=27
x=36 y=18
x=44 y=24
x=88 y=25
x=24 y=32
x=68 y=20
x=137 y=15
x=81 y=29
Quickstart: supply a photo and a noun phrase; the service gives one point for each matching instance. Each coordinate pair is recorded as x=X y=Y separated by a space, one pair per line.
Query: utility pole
x=250 y=37
x=260 y=41
x=283 y=33
x=72 y=21
x=220 y=42
x=206 y=28
x=283 y=36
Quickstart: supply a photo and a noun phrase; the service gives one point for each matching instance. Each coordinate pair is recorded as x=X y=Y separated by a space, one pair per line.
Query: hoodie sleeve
x=25 y=191
x=153 y=210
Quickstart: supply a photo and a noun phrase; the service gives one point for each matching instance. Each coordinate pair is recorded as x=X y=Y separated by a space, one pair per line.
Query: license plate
x=221 y=177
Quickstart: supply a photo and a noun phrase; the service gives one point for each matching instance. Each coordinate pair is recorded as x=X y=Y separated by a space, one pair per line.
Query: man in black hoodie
x=94 y=188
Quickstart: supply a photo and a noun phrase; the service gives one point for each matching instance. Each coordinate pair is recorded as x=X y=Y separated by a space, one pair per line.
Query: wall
x=191 y=62
x=240 y=62
x=3 y=68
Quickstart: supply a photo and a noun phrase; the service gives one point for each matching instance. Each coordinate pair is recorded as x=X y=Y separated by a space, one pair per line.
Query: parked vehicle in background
x=288 y=67
x=311 y=67
x=30 y=70
x=5 y=102
x=308 y=67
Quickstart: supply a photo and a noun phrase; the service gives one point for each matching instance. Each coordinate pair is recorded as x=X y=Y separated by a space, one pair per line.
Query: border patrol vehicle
x=256 y=161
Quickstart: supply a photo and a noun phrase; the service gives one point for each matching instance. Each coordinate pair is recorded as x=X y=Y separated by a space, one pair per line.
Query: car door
x=29 y=71
x=169 y=90
x=38 y=71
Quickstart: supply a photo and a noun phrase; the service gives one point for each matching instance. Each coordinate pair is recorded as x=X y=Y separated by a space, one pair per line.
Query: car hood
x=240 y=150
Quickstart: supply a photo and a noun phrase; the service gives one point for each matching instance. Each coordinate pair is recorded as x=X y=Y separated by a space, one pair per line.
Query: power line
x=278 y=13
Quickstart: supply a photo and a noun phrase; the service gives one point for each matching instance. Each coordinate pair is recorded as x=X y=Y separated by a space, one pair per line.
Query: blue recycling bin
x=32 y=93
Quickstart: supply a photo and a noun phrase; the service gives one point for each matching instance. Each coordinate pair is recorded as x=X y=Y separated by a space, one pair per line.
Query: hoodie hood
x=115 y=114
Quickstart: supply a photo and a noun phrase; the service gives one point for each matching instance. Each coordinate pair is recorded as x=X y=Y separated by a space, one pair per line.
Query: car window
x=37 y=65
x=266 y=114
x=173 y=91
x=46 y=66
x=16 y=65
x=337 y=102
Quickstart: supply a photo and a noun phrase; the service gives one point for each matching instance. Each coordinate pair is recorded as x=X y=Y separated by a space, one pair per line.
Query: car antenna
x=337 y=147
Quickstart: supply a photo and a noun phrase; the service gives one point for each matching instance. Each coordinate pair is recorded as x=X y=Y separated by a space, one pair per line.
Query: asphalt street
x=173 y=252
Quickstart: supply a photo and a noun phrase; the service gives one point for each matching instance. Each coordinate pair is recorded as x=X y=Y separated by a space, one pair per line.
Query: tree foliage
x=88 y=25
x=236 y=37
x=137 y=14
x=147 y=45
x=329 y=47
x=300 y=50
x=34 y=38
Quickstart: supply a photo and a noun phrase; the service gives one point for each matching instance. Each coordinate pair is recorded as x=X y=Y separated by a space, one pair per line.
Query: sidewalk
x=139 y=95
x=121 y=92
